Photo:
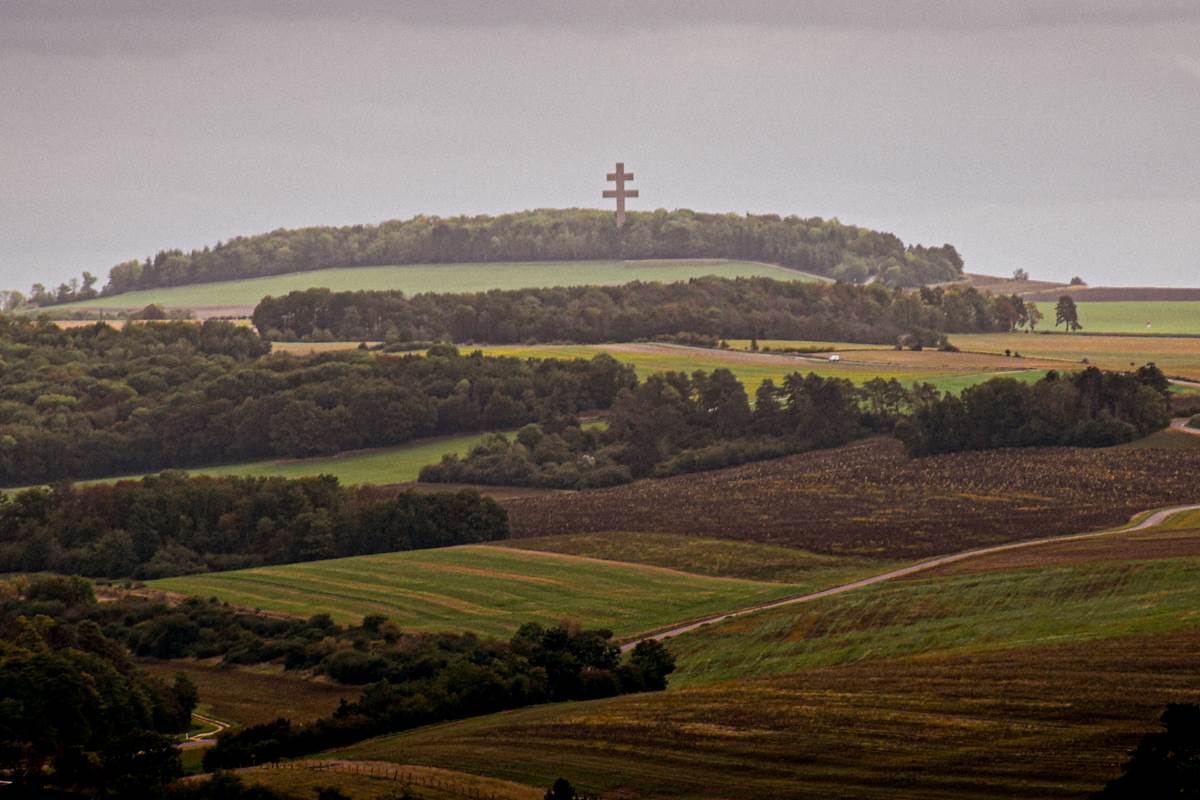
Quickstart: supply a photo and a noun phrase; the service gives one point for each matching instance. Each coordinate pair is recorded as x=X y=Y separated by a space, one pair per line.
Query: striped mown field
x=487 y=590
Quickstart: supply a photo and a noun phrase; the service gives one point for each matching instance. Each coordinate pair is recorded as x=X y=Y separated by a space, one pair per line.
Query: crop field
x=302 y=780
x=254 y=697
x=753 y=368
x=1165 y=317
x=1061 y=601
x=1050 y=722
x=1178 y=357
x=869 y=499
x=714 y=557
x=487 y=590
x=418 y=278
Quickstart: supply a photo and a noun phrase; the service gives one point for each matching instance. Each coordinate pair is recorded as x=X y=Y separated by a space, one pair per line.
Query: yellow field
x=1176 y=356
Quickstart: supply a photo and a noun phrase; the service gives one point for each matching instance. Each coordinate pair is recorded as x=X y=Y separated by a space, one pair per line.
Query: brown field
x=1053 y=721
x=1117 y=294
x=1154 y=543
x=308 y=348
x=869 y=499
x=1000 y=285
x=381 y=780
x=1176 y=356
x=253 y=697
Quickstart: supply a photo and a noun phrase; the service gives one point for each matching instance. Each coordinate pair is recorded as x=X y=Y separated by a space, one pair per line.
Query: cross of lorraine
x=620 y=193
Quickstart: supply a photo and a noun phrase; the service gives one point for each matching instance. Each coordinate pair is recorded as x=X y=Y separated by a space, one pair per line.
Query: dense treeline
x=171 y=524
x=75 y=714
x=824 y=247
x=94 y=401
x=443 y=678
x=674 y=423
x=1084 y=409
x=713 y=307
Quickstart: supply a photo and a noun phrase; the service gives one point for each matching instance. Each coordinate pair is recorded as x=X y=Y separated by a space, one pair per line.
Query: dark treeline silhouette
x=713 y=307
x=171 y=524
x=436 y=678
x=1083 y=409
x=675 y=423
x=825 y=247
x=75 y=713
x=95 y=402
x=1164 y=763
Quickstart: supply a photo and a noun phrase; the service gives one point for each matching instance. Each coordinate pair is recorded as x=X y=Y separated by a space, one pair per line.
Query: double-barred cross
x=620 y=176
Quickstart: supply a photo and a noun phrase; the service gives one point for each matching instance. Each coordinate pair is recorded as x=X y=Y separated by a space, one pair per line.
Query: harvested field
x=1119 y=294
x=256 y=696
x=1176 y=356
x=365 y=780
x=1048 y=722
x=1152 y=544
x=869 y=499
x=1000 y=285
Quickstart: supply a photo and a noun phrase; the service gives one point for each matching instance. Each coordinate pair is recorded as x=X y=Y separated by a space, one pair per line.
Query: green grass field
x=752 y=369
x=386 y=465
x=1176 y=356
x=1164 y=317
x=488 y=590
x=417 y=278
x=957 y=615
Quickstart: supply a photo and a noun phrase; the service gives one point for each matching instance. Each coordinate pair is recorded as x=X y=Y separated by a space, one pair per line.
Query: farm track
x=1182 y=426
x=204 y=738
x=1153 y=519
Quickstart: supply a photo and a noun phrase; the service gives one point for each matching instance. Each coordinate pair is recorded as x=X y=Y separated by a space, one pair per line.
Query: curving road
x=1153 y=519
x=204 y=738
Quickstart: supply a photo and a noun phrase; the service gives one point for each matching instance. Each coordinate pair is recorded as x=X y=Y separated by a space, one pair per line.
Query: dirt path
x=1181 y=425
x=204 y=738
x=1152 y=520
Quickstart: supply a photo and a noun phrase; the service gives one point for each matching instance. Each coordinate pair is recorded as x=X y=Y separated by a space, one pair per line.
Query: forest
x=75 y=712
x=713 y=307
x=675 y=423
x=824 y=247
x=171 y=524
x=94 y=402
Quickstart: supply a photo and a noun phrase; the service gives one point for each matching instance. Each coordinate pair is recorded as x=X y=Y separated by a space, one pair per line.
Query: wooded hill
x=823 y=247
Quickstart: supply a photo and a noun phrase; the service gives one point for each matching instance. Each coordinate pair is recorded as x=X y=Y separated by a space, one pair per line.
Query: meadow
x=487 y=590
x=951 y=372
x=1125 y=316
x=417 y=278
x=1177 y=357
x=386 y=465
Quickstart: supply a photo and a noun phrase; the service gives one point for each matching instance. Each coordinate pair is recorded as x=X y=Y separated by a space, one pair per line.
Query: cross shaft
x=620 y=193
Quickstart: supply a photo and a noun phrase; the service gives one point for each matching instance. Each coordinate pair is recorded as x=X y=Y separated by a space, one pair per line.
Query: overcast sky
x=1059 y=136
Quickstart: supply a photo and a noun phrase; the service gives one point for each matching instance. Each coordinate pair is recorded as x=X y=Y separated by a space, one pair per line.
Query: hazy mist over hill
x=1058 y=137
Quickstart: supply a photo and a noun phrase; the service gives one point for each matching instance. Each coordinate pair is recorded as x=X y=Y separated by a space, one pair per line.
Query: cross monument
x=620 y=176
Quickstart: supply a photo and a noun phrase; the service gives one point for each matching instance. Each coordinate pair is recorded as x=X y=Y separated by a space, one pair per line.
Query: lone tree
x=1065 y=313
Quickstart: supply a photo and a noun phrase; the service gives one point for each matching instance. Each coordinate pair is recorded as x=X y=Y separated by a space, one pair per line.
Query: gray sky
x=1060 y=136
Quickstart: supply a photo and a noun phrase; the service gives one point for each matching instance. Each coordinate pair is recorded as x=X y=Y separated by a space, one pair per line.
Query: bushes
x=426 y=683
x=171 y=524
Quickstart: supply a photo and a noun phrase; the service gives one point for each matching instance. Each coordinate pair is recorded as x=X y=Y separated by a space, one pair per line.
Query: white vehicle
x=835 y=357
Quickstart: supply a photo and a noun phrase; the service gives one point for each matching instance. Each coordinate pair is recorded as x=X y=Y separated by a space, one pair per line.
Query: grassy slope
x=417 y=278
x=489 y=590
x=1002 y=684
x=1167 y=317
x=385 y=465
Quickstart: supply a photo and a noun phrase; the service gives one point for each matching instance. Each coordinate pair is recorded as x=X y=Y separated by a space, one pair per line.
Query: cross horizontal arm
x=613 y=193
x=620 y=176
x=631 y=192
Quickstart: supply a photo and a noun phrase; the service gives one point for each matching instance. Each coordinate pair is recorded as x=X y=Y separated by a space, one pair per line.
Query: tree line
x=825 y=247
x=444 y=678
x=675 y=423
x=1089 y=408
x=94 y=402
x=171 y=524
x=706 y=307
x=75 y=712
